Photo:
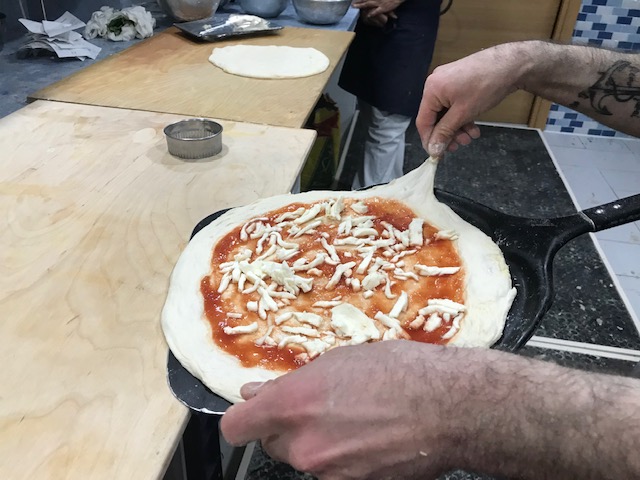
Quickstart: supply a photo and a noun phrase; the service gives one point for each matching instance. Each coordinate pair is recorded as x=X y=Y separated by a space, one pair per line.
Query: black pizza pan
x=528 y=245
x=185 y=387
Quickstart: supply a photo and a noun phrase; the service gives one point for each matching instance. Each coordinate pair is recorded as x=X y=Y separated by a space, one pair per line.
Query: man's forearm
x=401 y=409
x=552 y=423
x=603 y=84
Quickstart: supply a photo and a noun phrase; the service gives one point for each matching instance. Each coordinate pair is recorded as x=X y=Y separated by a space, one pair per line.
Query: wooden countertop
x=171 y=73
x=96 y=213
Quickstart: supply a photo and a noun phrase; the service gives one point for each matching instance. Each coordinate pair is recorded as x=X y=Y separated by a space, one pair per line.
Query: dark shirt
x=386 y=67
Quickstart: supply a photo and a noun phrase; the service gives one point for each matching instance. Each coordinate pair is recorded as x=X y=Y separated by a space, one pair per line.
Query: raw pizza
x=268 y=287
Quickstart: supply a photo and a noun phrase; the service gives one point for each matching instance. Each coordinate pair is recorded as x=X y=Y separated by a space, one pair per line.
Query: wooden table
x=171 y=73
x=95 y=213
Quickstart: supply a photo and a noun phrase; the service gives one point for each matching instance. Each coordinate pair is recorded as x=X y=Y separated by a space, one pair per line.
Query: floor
x=599 y=170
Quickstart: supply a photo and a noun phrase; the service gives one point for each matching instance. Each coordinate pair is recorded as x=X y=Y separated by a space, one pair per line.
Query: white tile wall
x=603 y=161
x=629 y=233
x=633 y=145
x=563 y=140
x=621 y=255
x=599 y=170
x=622 y=180
x=593 y=189
x=631 y=286
x=601 y=23
x=603 y=144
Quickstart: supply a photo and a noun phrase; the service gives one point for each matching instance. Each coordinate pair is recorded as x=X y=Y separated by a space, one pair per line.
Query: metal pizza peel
x=184 y=386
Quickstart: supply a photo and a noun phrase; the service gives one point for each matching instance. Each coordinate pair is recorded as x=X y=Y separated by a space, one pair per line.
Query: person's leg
x=383 y=148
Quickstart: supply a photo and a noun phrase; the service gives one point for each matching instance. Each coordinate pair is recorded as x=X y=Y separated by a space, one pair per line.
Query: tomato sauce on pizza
x=295 y=282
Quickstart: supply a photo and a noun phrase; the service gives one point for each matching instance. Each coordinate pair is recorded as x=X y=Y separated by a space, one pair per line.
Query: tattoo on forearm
x=621 y=83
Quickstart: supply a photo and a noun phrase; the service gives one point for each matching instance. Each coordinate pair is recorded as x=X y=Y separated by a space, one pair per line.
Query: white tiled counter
x=598 y=170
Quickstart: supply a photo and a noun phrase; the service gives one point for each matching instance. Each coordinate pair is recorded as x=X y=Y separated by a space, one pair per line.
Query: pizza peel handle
x=615 y=213
x=529 y=246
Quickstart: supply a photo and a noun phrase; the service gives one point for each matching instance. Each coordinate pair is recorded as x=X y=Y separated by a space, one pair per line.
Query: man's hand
x=399 y=409
x=379 y=20
x=465 y=89
x=371 y=411
x=376 y=7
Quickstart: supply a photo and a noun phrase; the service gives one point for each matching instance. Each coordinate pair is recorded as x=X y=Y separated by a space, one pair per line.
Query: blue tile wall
x=606 y=23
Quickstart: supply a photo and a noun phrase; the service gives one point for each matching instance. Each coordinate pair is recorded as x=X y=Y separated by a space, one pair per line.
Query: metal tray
x=225 y=25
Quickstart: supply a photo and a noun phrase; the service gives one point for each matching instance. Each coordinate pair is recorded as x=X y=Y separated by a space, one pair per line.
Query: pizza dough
x=488 y=289
x=269 y=61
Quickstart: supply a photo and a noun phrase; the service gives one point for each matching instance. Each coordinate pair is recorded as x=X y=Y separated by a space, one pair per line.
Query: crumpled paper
x=57 y=36
x=120 y=25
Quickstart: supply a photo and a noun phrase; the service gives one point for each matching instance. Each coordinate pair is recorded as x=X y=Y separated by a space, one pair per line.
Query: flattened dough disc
x=269 y=61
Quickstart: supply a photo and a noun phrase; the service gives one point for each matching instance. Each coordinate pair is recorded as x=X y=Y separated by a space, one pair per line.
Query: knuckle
x=445 y=130
x=462 y=138
x=429 y=83
x=436 y=71
x=304 y=460
x=316 y=453
x=287 y=415
x=269 y=448
x=298 y=408
x=437 y=79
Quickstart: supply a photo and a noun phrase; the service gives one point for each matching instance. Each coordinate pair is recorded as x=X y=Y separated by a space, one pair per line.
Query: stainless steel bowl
x=321 y=12
x=187 y=10
x=194 y=138
x=264 y=8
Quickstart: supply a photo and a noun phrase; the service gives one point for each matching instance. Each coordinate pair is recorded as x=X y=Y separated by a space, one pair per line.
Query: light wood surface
x=95 y=213
x=471 y=26
x=170 y=73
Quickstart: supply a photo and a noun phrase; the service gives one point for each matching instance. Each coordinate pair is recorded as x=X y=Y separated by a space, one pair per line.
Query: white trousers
x=383 y=147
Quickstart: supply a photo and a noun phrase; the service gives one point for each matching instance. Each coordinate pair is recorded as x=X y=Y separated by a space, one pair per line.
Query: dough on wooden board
x=488 y=287
x=269 y=61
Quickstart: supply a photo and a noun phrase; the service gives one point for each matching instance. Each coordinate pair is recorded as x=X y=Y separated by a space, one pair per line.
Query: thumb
x=444 y=131
x=250 y=390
